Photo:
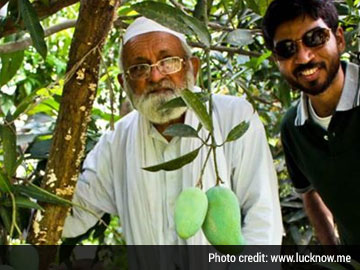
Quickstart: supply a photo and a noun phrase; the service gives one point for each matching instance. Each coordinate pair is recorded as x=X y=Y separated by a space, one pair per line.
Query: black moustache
x=301 y=68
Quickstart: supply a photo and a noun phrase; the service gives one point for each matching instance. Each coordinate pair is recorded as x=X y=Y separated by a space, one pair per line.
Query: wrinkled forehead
x=296 y=28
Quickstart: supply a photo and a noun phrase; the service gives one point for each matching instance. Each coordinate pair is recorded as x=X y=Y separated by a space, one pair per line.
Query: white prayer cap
x=144 y=25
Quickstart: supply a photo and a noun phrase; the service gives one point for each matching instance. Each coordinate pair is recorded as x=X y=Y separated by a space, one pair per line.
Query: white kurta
x=114 y=182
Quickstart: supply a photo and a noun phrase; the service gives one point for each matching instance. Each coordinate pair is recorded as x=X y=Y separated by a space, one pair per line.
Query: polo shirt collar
x=349 y=99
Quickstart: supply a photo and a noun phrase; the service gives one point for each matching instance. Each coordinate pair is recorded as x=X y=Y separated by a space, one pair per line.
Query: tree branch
x=177 y=5
x=180 y=6
x=118 y=23
x=226 y=49
x=219 y=27
x=42 y=10
x=26 y=42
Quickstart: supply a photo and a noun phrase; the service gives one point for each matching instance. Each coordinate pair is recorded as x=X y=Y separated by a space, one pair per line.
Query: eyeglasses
x=165 y=66
x=314 y=38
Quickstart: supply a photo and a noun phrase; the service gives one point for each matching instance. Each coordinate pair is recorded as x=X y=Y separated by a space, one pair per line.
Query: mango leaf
x=48 y=106
x=175 y=19
x=10 y=62
x=8 y=138
x=163 y=14
x=23 y=202
x=263 y=5
x=39 y=149
x=176 y=163
x=350 y=3
x=40 y=194
x=33 y=25
x=253 y=6
x=180 y=130
x=173 y=103
x=5 y=215
x=5 y=185
x=240 y=37
x=258 y=6
x=263 y=57
x=179 y=102
x=199 y=29
x=237 y=131
x=193 y=102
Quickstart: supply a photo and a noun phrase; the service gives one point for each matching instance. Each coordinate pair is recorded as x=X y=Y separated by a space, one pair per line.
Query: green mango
x=190 y=211
x=24 y=257
x=222 y=225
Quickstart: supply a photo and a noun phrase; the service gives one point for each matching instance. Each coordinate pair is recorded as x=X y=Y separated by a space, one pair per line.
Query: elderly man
x=320 y=134
x=158 y=65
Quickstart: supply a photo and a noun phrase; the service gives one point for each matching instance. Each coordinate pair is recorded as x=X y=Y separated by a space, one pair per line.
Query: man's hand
x=321 y=218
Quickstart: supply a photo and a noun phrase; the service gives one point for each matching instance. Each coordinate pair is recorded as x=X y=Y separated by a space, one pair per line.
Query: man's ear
x=340 y=39
x=120 y=79
x=195 y=64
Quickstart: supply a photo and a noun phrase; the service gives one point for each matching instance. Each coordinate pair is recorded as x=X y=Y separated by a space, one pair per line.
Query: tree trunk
x=95 y=21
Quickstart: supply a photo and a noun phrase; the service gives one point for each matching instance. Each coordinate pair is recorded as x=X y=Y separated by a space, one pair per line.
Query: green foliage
x=179 y=101
x=24 y=202
x=11 y=62
x=176 y=163
x=163 y=14
x=194 y=103
x=31 y=84
x=40 y=194
x=181 y=130
x=33 y=25
x=5 y=185
x=174 y=19
x=237 y=131
x=259 y=6
x=240 y=37
x=8 y=138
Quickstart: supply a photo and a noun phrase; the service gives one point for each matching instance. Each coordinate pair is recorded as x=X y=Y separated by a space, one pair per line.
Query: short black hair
x=280 y=11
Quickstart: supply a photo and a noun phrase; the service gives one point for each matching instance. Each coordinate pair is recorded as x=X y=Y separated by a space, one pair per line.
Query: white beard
x=148 y=105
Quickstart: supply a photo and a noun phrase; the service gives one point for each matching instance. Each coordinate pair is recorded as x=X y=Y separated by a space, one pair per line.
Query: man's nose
x=304 y=54
x=155 y=74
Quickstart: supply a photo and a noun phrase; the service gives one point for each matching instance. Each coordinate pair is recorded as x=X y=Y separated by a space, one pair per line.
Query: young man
x=320 y=135
x=157 y=66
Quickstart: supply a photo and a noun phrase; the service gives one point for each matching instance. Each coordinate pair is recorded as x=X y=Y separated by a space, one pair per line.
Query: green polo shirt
x=329 y=160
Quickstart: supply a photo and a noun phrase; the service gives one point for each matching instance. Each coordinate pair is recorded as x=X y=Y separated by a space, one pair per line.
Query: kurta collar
x=349 y=99
x=156 y=135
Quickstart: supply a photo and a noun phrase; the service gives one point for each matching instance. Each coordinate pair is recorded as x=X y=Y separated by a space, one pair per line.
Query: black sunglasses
x=316 y=37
